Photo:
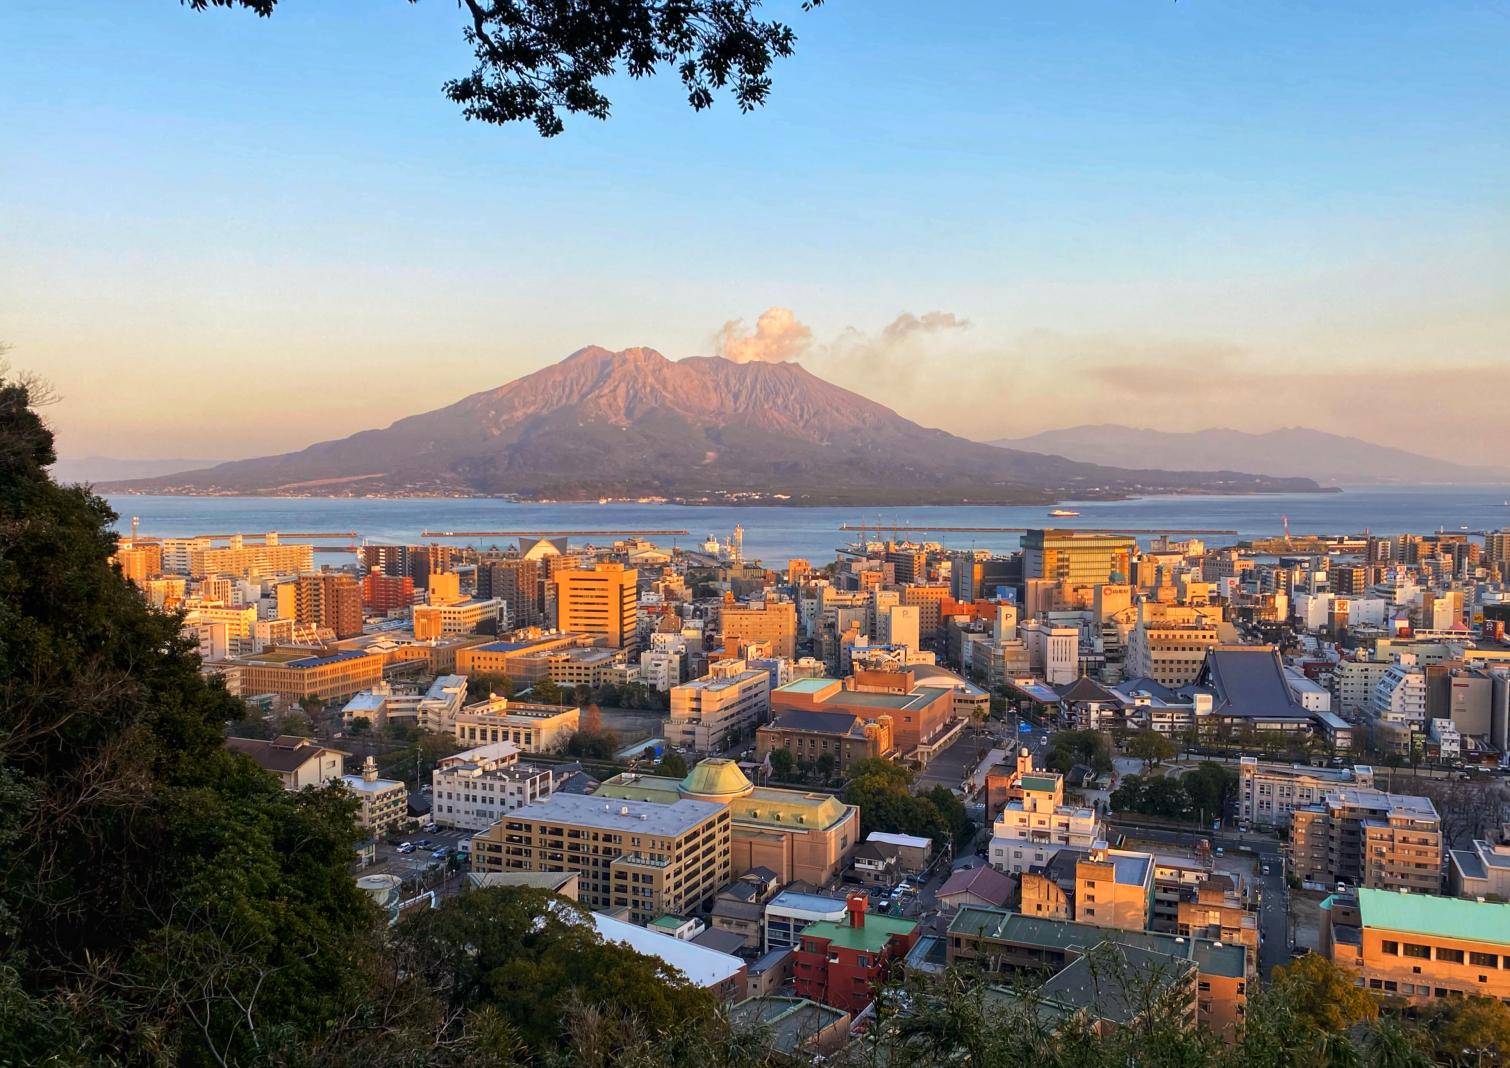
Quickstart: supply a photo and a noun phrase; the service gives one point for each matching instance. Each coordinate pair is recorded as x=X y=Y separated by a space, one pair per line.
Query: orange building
x=919 y=714
x=601 y=599
x=1420 y=947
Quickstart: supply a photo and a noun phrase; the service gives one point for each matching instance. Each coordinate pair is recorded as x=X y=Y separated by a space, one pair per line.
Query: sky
x=222 y=236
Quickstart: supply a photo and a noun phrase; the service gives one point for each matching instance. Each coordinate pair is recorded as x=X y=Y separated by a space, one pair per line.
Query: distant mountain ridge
x=108 y=468
x=635 y=424
x=1290 y=452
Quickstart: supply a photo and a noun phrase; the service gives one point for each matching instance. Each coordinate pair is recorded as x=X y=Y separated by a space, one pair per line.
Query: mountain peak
x=634 y=423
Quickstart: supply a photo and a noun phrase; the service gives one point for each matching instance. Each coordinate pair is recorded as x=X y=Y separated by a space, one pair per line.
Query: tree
x=1467 y=1030
x=536 y=59
x=783 y=767
x=359 y=727
x=672 y=765
x=1323 y=995
x=163 y=899
x=546 y=692
x=1151 y=747
x=481 y=687
x=1210 y=786
x=518 y=954
x=825 y=766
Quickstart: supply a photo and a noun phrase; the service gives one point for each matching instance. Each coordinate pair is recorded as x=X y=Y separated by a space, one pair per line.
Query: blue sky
x=225 y=235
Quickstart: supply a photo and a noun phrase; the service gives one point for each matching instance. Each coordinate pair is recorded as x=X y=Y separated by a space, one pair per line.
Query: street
x=1273 y=914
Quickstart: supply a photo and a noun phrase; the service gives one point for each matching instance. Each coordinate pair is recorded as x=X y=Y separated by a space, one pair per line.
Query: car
x=429 y=828
x=1266 y=869
x=885 y=904
x=1219 y=851
x=1342 y=888
x=423 y=843
x=406 y=847
x=442 y=853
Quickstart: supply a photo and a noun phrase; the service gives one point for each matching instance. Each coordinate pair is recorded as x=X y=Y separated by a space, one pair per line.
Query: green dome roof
x=716 y=778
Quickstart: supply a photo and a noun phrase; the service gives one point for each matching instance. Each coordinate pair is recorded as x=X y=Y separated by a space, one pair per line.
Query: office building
x=1077 y=558
x=651 y=858
x=466 y=616
x=727 y=703
x=921 y=714
x=520 y=584
x=1267 y=793
x=295 y=674
x=809 y=736
x=600 y=599
x=534 y=728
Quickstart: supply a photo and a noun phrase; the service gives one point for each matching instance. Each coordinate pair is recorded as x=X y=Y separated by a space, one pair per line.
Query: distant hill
x=1292 y=452
x=635 y=424
x=110 y=468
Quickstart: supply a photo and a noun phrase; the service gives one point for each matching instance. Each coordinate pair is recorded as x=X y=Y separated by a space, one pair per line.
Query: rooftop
x=704 y=967
x=872 y=937
x=673 y=818
x=1249 y=681
x=1444 y=917
x=817 y=685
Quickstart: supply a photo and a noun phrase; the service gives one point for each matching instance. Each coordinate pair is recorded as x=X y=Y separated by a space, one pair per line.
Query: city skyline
x=1101 y=210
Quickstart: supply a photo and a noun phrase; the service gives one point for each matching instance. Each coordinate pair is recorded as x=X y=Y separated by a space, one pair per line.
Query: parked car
x=406 y=848
x=423 y=843
x=429 y=828
x=442 y=853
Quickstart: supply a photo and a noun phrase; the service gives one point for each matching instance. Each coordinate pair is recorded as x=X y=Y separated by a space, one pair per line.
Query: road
x=1273 y=915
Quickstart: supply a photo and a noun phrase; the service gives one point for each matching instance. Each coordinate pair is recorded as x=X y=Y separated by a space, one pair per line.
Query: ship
x=1063 y=513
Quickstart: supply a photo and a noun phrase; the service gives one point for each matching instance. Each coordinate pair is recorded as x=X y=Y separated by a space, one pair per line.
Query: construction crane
x=550 y=533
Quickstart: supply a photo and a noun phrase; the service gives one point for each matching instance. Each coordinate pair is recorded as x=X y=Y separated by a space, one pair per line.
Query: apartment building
x=1368 y=838
x=382 y=803
x=1483 y=869
x=600 y=599
x=383 y=594
x=647 y=857
x=840 y=964
x=197 y=557
x=331 y=599
x=1030 y=830
x=534 y=728
x=1114 y=888
x=138 y=561
x=433 y=710
x=1267 y=793
x=1009 y=943
x=760 y=621
x=727 y=703
x=473 y=790
x=1215 y=910
x=1420 y=947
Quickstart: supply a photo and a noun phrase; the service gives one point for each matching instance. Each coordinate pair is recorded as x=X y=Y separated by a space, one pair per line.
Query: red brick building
x=840 y=963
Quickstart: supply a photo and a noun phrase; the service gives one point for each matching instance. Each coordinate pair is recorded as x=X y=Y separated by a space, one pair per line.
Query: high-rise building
x=761 y=621
x=1369 y=838
x=518 y=583
x=730 y=701
x=384 y=593
x=330 y=599
x=1077 y=558
x=139 y=561
x=600 y=599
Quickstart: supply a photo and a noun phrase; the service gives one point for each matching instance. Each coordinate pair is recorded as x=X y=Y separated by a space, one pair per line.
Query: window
x=1420 y=952
x=1454 y=956
x=1484 y=960
x=1390 y=946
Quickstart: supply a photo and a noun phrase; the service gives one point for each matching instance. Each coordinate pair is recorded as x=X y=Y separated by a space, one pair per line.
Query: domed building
x=796 y=834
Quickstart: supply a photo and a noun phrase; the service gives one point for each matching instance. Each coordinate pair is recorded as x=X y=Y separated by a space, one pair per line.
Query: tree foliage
x=1151 y=747
x=536 y=60
x=160 y=897
x=882 y=790
x=1068 y=748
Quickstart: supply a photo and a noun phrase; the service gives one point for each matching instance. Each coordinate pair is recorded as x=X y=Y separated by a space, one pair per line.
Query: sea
x=775 y=534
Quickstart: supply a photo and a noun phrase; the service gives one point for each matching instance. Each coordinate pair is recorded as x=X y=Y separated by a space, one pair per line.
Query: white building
x=1053 y=651
x=384 y=802
x=732 y=699
x=472 y=790
x=1029 y=832
x=1400 y=694
x=1313 y=697
x=1268 y=793
x=1445 y=733
x=434 y=710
